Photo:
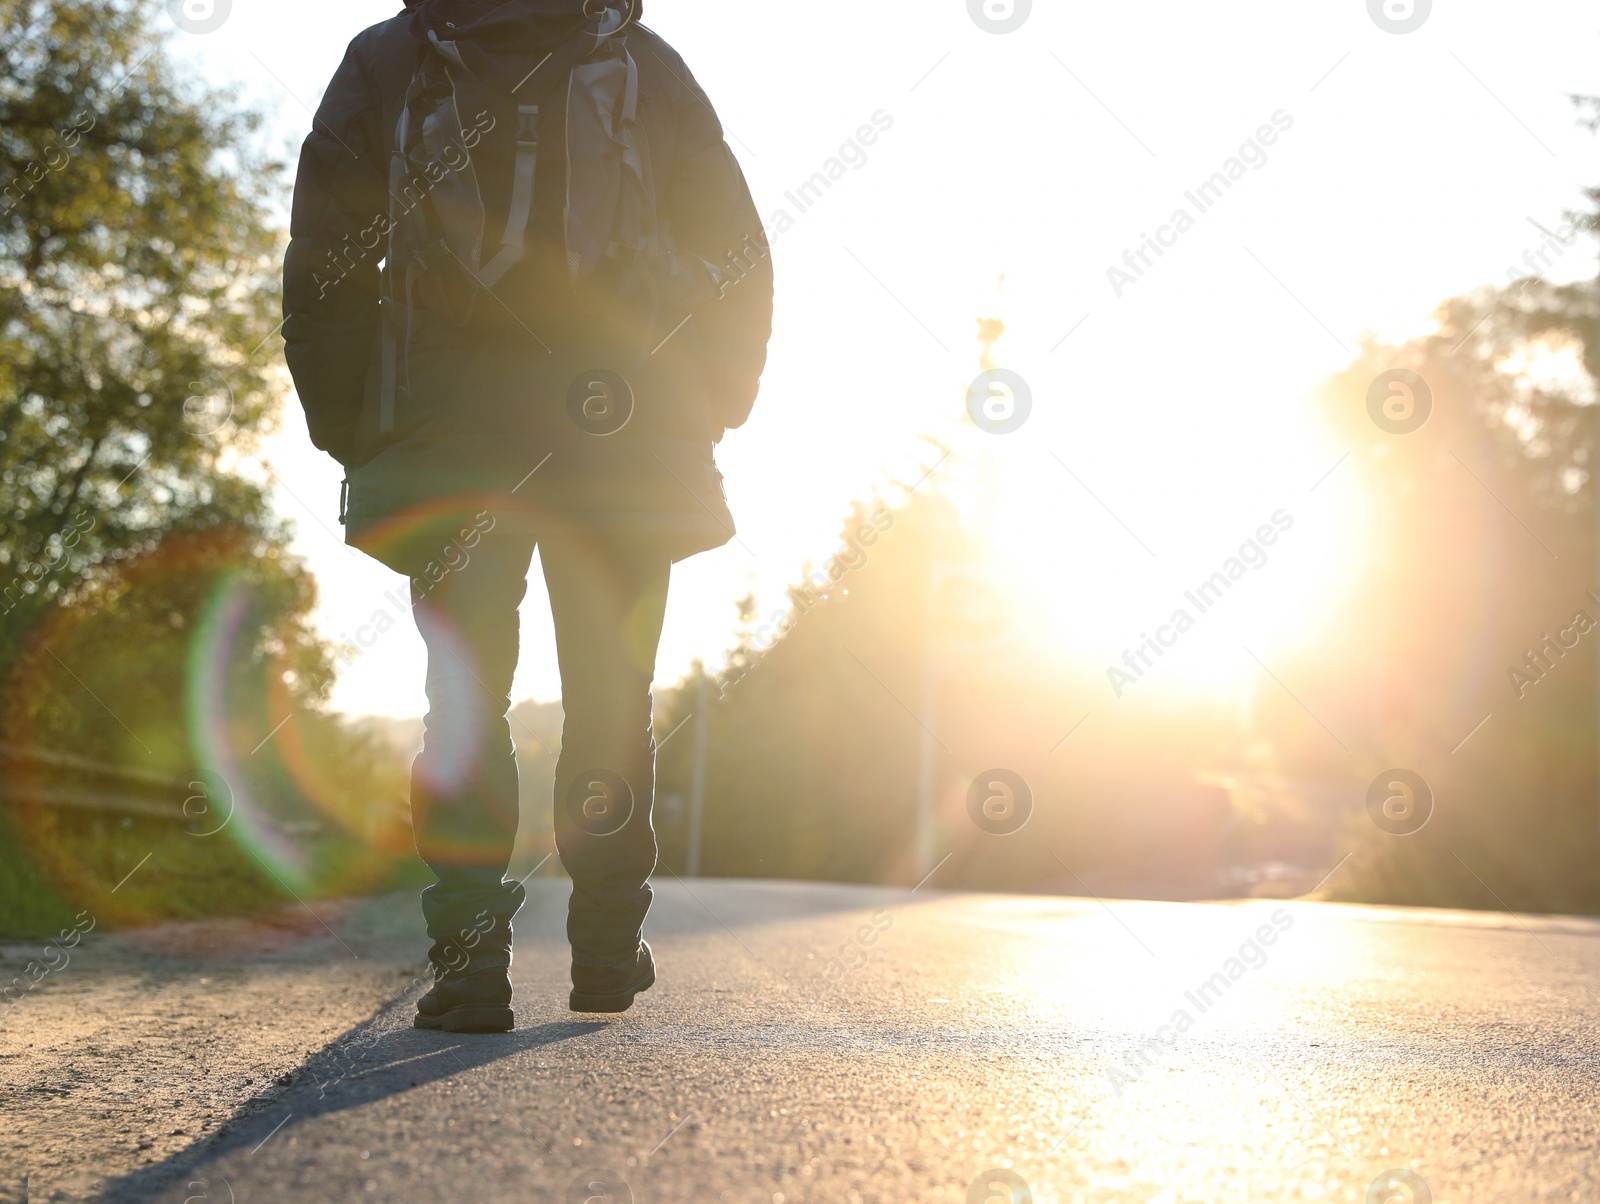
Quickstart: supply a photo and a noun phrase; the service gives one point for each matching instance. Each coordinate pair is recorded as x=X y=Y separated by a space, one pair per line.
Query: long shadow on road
x=385 y=1057
x=371 y=1062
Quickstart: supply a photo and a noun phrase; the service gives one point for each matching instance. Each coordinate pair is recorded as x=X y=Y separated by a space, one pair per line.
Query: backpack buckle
x=528 y=125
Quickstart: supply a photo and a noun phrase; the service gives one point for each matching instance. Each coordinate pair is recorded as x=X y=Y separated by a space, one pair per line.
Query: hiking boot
x=609 y=986
x=473 y=1003
x=470 y=960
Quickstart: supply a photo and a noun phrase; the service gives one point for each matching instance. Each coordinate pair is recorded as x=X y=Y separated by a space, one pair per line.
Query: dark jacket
x=483 y=409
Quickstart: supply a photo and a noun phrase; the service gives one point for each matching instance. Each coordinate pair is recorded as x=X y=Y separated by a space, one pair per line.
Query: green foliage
x=31 y=907
x=812 y=765
x=1489 y=520
x=137 y=286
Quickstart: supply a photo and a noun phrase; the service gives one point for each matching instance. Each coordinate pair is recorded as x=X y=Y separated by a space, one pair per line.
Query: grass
x=29 y=905
x=127 y=871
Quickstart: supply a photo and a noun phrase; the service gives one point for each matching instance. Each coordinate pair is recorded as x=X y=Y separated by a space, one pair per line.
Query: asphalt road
x=843 y=1044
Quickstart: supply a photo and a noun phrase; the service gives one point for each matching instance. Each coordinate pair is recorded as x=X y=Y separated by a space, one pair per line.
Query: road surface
x=823 y=1043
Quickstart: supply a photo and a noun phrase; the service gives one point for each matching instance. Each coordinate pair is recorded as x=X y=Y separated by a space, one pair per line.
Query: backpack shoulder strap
x=388 y=317
x=513 y=240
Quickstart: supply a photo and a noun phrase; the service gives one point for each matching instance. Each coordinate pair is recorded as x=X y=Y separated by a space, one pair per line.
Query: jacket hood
x=505 y=30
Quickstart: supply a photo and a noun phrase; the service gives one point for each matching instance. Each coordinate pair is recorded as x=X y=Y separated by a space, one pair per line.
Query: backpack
x=467 y=150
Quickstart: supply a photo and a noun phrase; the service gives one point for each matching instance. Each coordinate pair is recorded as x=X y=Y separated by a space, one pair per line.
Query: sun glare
x=1169 y=599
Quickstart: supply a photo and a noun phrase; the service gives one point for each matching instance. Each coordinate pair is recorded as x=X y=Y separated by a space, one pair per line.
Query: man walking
x=526 y=293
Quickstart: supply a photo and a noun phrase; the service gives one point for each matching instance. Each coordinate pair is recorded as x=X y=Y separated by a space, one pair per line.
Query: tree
x=137 y=289
x=1487 y=551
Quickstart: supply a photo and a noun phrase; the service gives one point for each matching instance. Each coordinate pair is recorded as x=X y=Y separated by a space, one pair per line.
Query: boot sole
x=470 y=1020
x=609 y=1001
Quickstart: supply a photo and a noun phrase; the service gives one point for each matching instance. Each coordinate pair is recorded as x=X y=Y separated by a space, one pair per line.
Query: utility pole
x=925 y=840
x=697 y=783
x=927 y=765
x=1594 y=472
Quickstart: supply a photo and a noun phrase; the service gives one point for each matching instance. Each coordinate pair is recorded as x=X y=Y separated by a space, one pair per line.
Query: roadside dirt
x=151 y=1041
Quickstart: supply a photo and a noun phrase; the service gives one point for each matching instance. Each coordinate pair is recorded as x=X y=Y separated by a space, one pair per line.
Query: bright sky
x=1411 y=169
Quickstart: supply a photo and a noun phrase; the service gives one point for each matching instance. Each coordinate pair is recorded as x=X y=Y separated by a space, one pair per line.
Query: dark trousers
x=608 y=598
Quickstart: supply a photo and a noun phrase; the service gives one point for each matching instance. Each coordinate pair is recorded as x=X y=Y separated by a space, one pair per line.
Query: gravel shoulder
x=151 y=1041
